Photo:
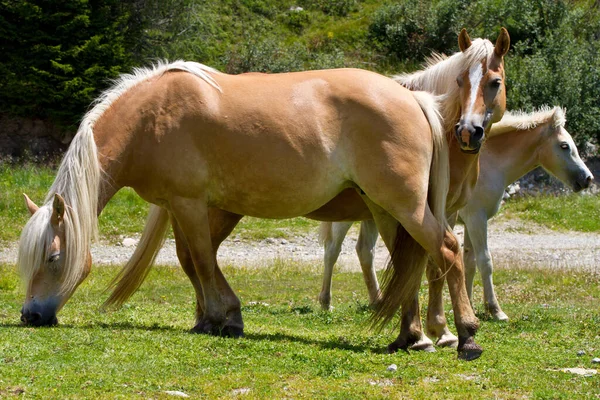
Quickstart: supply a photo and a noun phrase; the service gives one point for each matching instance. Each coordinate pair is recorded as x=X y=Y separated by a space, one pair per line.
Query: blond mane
x=440 y=73
x=524 y=121
x=78 y=181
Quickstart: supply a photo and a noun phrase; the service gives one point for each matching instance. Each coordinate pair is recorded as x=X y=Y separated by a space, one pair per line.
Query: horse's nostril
x=34 y=317
x=478 y=135
x=588 y=181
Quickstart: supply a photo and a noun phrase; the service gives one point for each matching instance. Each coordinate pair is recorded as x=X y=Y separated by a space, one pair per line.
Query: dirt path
x=512 y=243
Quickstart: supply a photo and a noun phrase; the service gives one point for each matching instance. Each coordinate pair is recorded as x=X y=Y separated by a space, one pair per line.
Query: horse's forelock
x=36 y=237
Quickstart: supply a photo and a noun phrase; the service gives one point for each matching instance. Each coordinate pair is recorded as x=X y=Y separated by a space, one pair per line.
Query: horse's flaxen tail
x=135 y=271
x=325 y=232
x=402 y=277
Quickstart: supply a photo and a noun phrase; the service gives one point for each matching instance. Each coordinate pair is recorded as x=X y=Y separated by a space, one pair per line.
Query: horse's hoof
x=425 y=344
x=469 y=350
x=447 y=340
x=232 y=331
x=500 y=316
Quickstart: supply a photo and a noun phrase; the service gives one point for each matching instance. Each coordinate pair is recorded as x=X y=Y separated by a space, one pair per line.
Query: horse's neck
x=515 y=153
x=111 y=142
x=464 y=170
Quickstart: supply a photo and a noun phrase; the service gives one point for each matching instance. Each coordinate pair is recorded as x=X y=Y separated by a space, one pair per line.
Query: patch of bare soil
x=513 y=243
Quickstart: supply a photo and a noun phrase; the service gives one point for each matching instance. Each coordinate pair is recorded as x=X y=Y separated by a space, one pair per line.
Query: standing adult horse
x=188 y=138
x=516 y=145
x=471 y=80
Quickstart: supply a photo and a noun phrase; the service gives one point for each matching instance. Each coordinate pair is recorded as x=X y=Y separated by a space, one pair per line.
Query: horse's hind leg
x=222 y=315
x=403 y=248
x=333 y=245
x=421 y=224
x=365 y=248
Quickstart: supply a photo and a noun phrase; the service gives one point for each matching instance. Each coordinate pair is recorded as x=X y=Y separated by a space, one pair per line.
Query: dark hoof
x=232 y=332
x=398 y=344
x=468 y=350
x=208 y=328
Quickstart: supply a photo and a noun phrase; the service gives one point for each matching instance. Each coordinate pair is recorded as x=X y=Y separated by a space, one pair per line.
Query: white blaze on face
x=475 y=76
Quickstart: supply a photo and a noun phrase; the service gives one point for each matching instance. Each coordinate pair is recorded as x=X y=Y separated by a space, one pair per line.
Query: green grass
x=291 y=348
x=575 y=212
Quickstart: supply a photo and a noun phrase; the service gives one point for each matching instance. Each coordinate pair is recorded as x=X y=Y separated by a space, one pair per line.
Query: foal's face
x=45 y=294
x=559 y=156
x=483 y=94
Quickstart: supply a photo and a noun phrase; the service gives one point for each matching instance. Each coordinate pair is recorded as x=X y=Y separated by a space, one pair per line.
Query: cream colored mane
x=440 y=73
x=523 y=121
x=78 y=181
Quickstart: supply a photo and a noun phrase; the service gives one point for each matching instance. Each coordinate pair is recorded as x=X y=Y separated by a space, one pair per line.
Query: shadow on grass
x=333 y=344
x=324 y=344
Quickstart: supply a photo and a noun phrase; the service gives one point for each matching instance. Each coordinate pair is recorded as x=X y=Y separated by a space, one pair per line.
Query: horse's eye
x=459 y=81
x=564 y=146
x=496 y=83
x=53 y=258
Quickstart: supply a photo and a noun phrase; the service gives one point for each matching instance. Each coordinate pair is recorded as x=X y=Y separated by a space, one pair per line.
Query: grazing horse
x=187 y=138
x=517 y=144
x=471 y=80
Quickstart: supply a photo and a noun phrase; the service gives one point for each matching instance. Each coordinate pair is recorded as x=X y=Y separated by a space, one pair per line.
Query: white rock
x=283 y=241
x=580 y=353
x=296 y=8
x=580 y=371
x=596 y=360
x=240 y=391
x=392 y=367
x=176 y=393
x=129 y=242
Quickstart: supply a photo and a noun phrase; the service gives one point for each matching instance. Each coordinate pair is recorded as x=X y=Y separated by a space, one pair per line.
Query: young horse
x=484 y=100
x=516 y=145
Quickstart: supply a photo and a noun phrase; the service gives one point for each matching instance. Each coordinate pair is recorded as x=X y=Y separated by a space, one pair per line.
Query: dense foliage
x=57 y=55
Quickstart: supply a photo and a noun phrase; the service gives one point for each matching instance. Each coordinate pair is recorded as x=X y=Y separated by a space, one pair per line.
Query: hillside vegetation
x=57 y=56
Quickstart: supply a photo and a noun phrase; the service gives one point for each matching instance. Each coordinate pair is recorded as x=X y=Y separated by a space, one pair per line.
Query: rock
x=270 y=240
x=283 y=241
x=580 y=353
x=580 y=371
x=596 y=360
x=129 y=242
x=392 y=368
x=296 y=8
x=176 y=393
x=240 y=391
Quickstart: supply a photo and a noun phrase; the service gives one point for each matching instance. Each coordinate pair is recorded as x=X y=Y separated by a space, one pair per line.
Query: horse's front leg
x=476 y=225
x=221 y=314
x=221 y=224
x=437 y=326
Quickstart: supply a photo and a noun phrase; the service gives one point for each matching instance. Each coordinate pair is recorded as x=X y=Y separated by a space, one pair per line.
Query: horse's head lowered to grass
x=49 y=283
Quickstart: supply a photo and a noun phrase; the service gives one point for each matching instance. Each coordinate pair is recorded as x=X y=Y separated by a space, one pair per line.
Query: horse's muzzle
x=470 y=137
x=584 y=183
x=36 y=318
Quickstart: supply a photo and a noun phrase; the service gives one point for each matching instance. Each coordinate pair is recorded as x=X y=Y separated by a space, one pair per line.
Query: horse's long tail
x=325 y=232
x=402 y=277
x=135 y=271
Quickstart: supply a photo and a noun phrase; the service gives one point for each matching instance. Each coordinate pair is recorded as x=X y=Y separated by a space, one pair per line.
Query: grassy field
x=570 y=212
x=291 y=348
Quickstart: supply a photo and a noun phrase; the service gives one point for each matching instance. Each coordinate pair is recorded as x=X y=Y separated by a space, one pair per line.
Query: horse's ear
x=464 y=41
x=502 y=43
x=58 y=209
x=31 y=206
